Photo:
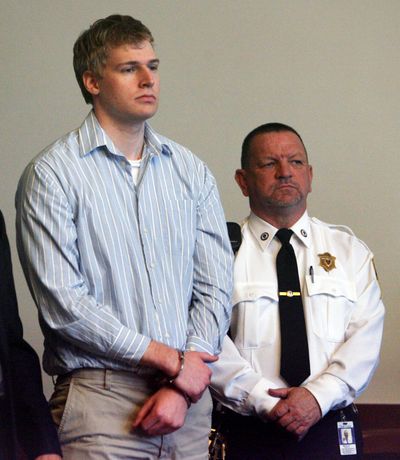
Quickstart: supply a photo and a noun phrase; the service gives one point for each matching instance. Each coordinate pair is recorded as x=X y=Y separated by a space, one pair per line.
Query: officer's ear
x=310 y=175
x=241 y=179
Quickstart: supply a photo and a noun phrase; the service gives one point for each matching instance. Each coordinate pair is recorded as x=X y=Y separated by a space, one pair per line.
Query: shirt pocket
x=178 y=227
x=254 y=315
x=332 y=302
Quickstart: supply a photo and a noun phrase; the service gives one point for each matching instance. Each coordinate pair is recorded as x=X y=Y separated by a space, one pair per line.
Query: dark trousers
x=247 y=438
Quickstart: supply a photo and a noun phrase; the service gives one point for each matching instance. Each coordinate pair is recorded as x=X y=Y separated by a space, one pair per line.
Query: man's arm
x=238 y=386
x=350 y=369
x=209 y=315
x=49 y=253
x=352 y=365
x=210 y=311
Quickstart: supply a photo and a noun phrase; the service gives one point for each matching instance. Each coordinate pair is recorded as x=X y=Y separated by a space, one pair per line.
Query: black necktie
x=295 y=363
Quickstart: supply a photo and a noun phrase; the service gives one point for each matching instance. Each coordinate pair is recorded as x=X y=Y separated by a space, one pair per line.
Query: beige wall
x=329 y=68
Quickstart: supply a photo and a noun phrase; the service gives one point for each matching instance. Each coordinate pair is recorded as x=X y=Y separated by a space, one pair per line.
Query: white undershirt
x=135 y=169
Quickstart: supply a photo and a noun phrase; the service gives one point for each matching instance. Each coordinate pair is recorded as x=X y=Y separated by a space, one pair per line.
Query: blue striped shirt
x=112 y=265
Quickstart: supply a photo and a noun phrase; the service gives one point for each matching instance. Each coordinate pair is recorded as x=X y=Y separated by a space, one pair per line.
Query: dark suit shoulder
x=2 y=227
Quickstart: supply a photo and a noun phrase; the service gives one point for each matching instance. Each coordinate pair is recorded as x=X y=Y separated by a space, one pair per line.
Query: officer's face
x=278 y=178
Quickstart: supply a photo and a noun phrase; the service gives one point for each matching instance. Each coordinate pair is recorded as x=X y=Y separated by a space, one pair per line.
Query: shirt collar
x=92 y=137
x=154 y=144
x=302 y=229
x=264 y=233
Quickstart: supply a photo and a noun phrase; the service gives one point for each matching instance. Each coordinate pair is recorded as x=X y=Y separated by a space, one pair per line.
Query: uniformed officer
x=302 y=408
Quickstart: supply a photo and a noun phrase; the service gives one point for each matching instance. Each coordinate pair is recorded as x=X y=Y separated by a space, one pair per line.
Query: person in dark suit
x=26 y=427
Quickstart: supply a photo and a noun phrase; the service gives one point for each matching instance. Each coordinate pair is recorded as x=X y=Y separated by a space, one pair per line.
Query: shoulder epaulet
x=340 y=227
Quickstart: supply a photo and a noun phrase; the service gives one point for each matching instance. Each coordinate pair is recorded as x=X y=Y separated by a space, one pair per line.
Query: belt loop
x=107 y=379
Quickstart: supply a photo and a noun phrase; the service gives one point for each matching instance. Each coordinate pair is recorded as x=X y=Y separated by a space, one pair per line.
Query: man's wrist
x=187 y=398
x=181 y=356
x=180 y=392
x=162 y=357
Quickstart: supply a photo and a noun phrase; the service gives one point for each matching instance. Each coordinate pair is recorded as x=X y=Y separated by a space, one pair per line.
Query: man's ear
x=91 y=82
x=240 y=177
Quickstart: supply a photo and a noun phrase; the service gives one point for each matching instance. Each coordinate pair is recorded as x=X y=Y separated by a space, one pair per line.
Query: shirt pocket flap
x=250 y=292
x=331 y=286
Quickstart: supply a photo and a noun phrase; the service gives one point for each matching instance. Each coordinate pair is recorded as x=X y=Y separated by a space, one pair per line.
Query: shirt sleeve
x=352 y=365
x=238 y=386
x=210 y=309
x=49 y=254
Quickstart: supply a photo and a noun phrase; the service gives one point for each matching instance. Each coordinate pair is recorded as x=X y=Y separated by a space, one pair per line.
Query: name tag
x=347 y=439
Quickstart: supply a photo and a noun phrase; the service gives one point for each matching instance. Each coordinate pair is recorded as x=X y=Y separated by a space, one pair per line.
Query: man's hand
x=48 y=457
x=195 y=376
x=163 y=413
x=296 y=412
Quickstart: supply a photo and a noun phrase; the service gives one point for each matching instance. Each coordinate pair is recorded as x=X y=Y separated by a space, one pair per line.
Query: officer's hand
x=163 y=413
x=296 y=412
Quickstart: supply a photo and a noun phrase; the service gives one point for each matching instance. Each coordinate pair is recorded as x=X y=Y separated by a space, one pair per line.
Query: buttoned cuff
x=195 y=343
x=330 y=392
x=260 y=400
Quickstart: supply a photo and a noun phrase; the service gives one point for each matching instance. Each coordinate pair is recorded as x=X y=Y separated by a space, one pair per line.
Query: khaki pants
x=94 y=410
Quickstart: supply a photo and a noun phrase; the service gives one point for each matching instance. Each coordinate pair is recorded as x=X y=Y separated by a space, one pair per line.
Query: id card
x=347 y=440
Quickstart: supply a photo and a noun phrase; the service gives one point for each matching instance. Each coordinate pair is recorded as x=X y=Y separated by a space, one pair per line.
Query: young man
x=307 y=316
x=123 y=240
x=25 y=422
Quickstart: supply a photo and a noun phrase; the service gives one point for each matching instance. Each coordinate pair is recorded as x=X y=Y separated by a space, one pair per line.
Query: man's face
x=278 y=178
x=127 y=91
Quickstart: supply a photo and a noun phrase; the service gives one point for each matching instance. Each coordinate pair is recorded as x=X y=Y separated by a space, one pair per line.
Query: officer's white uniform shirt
x=343 y=313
